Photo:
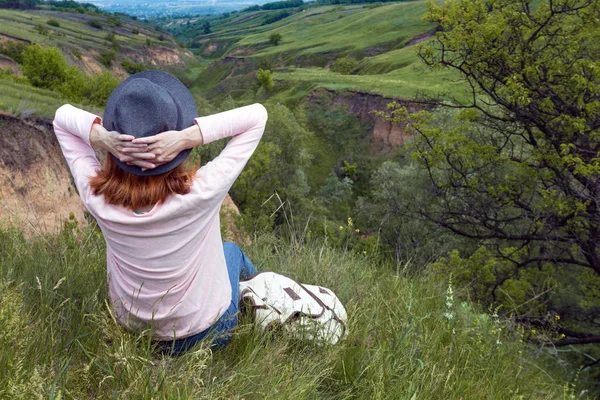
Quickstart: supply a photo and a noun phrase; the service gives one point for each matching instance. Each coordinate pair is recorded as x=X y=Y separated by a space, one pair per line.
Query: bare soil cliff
x=386 y=136
x=36 y=191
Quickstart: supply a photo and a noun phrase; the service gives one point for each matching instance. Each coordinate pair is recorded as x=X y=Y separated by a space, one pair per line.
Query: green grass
x=24 y=100
x=323 y=31
x=59 y=339
x=74 y=33
x=313 y=38
x=326 y=30
x=406 y=83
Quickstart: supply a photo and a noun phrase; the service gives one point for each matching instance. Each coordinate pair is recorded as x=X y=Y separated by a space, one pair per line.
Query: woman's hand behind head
x=167 y=145
x=121 y=146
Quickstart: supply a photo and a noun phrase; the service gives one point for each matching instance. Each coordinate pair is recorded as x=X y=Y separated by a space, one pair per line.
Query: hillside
x=379 y=37
x=91 y=41
x=331 y=196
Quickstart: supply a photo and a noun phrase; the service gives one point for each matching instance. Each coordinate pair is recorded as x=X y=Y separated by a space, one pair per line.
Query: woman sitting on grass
x=167 y=266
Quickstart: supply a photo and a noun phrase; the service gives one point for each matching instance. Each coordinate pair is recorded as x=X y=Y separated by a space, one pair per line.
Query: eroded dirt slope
x=36 y=192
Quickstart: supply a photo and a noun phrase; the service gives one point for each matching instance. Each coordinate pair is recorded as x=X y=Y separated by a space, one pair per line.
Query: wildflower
x=557 y=317
x=350 y=223
x=449 y=314
x=357 y=230
x=341 y=227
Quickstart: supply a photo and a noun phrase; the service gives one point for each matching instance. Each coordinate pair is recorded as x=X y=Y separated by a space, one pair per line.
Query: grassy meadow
x=313 y=37
x=410 y=337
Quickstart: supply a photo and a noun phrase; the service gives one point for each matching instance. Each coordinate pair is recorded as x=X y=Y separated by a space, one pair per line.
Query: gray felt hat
x=148 y=103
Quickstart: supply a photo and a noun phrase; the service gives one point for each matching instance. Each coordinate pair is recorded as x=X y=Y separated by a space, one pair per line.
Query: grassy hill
x=93 y=42
x=59 y=339
x=380 y=37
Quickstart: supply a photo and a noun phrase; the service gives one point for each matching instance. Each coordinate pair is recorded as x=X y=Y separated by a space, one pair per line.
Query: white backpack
x=306 y=311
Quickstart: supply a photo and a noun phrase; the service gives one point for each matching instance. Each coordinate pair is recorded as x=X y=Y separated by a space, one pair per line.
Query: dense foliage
x=21 y=4
x=46 y=68
x=516 y=168
x=276 y=5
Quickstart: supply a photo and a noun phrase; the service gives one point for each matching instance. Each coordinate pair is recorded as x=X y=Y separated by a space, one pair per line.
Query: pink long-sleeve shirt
x=166 y=268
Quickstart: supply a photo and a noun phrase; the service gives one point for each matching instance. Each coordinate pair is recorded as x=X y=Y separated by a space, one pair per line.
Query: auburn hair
x=132 y=191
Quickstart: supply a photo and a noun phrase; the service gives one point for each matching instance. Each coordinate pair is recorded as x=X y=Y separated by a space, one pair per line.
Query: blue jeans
x=238 y=267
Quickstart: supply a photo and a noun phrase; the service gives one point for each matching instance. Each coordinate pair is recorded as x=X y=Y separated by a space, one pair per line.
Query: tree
x=518 y=171
x=206 y=28
x=344 y=65
x=45 y=68
x=22 y=4
x=265 y=79
x=275 y=38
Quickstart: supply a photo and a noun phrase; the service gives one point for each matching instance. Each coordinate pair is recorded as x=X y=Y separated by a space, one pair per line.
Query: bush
x=76 y=53
x=277 y=17
x=132 y=68
x=44 y=68
x=99 y=87
x=13 y=50
x=95 y=23
x=53 y=22
x=41 y=29
x=135 y=31
x=265 y=79
x=344 y=65
x=106 y=58
x=113 y=21
x=275 y=38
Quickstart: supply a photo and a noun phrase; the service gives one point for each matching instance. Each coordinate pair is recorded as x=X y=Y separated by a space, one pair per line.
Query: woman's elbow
x=261 y=112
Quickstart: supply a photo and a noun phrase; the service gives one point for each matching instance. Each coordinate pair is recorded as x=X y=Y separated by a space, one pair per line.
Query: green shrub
x=53 y=22
x=107 y=57
x=132 y=68
x=265 y=79
x=275 y=38
x=76 y=53
x=135 y=31
x=44 y=68
x=113 y=21
x=277 y=17
x=95 y=23
x=41 y=29
x=13 y=50
x=344 y=65
x=99 y=87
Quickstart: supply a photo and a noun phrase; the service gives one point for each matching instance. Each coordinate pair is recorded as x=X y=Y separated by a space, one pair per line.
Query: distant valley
x=156 y=9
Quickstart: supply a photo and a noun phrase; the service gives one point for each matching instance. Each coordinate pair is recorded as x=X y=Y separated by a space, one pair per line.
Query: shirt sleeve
x=72 y=128
x=245 y=125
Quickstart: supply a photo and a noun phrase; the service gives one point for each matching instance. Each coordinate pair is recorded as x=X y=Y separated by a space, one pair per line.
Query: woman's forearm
x=97 y=136
x=193 y=136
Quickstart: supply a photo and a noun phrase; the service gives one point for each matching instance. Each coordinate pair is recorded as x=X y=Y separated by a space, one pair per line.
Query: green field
x=60 y=340
x=313 y=37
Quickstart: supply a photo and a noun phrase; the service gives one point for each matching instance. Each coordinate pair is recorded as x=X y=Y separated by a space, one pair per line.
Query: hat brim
x=186 y=108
